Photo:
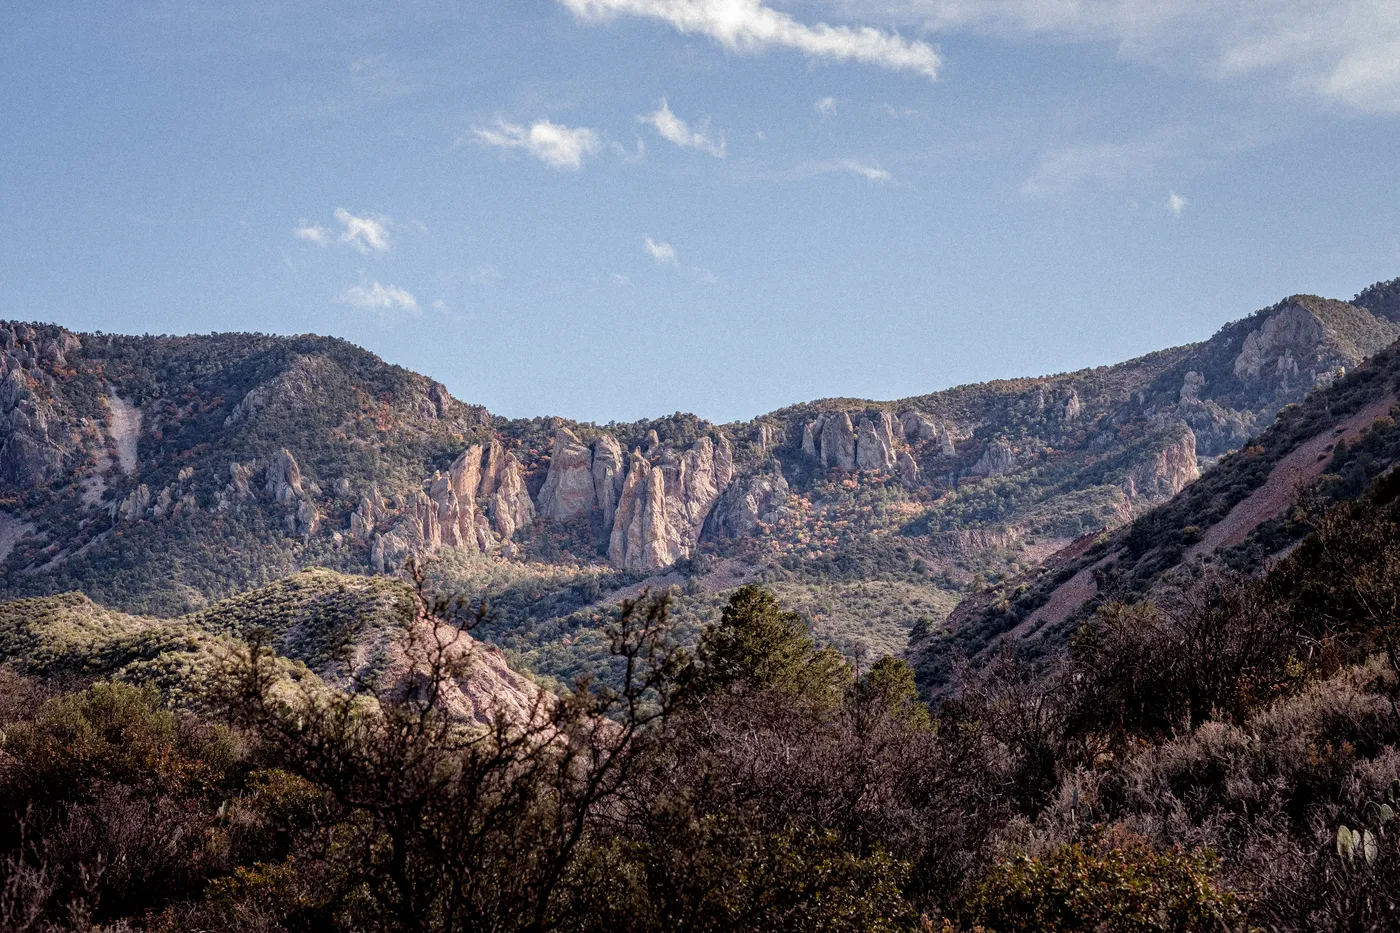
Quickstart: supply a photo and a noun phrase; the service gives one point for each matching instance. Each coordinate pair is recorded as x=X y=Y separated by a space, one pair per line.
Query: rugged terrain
x=160 y=474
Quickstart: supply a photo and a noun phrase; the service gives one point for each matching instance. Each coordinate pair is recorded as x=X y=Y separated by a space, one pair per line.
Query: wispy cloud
x=675 y=130
x=805 y=170
x=1176 y=204
x=826 y=107
x=312 y=233
x=373 y=296
x=748 y=25
x=871 y=173
x=366 y=234
x=557 y=146
x=661 y=251
x=1347 y=51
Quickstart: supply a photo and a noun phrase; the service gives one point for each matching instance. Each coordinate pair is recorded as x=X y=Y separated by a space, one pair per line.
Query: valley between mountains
x=167 y=483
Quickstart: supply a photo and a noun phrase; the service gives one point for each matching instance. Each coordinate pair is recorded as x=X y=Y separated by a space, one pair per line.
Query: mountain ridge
x=160 y=473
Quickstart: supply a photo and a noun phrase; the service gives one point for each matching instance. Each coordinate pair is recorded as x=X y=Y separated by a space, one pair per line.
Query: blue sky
x=611 y=209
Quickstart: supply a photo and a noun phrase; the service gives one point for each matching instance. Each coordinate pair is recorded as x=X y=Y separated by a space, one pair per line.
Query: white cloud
x=312 y=233
x=366 y=234
x=675 y=130
x=1176 y=204
x=620 y=280
x=377 y=297
x=805 y=170
x=748 y=25
x=662 y=251
x=557 y=146
x=899 y=112
x=1343 y=50
x=871 y=173
x=826 y=107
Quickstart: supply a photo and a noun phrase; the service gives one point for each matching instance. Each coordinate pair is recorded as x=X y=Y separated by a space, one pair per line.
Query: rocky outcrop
x=1072 y=407
x=510 y=508
x=867 y=444
x=1167 y=471
x=568 y=487
x=759 y=499
x=494 y=469
x=641 y=537
x=282 y=478
x=917 y=426
x=608 y=476
x=908 y=470
x=1290 y=333
x=875 y=443
x=365 y=516
x=838 y=441
x=35 y=447
x=663 y=507
x=811 y=439
x=997 y=460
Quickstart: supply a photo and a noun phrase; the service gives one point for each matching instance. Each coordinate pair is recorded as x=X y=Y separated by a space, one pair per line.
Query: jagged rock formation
x=868 y=443
x=608 y=476
x=478 y=504
x=758 y=499
x=832 y=490
x=1170 y=470
x=568 y=488
x=838 y=441
x=663 y=507
x=875 y=443
x=917 y=426
x=997 y=460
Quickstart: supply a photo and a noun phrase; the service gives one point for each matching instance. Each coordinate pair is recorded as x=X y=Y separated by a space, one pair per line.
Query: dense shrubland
x=1225 y=757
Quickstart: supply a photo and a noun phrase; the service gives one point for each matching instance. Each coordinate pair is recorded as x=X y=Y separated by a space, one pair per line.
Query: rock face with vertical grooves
x=663 y=506
x=568 y=488
x=838 y=442
x=608 y=476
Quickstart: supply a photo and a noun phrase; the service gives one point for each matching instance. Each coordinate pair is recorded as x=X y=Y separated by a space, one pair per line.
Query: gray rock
x=568 y=487
x=838 y=442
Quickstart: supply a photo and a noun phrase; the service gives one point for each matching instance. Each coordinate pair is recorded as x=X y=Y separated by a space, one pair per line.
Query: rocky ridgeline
x=478 y=504
x=652 y=507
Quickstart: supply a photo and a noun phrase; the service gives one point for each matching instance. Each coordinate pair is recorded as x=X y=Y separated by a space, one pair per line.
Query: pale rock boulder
x=663 y=508
x=568 y=487
x=608 y=476
x=812 y=439
x=875 y=443
x=510 y=507
x=724 y=462
x=282 y=478
x=917 y=426
x=746 y=505
x=1073 y=407
x=908 y=469
x=997 y=460
x=363 y=519
x=838 y=441
x=307 y=520
x=493 y=470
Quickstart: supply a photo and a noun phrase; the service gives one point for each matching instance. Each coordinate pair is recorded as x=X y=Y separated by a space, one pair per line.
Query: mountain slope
x=1240 y=514
x=157 y=474
x=329 y=630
